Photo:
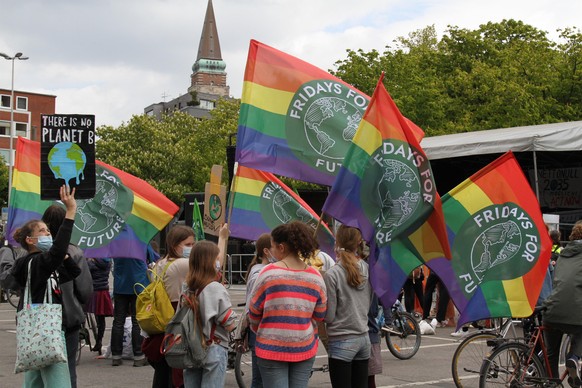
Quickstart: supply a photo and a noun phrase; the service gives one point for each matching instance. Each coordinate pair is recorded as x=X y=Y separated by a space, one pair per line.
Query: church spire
x=209 y=47
x=208 y=72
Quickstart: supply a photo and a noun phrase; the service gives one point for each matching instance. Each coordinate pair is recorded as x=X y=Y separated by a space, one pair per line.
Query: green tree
x=499 y=75
x=173 y=154
x=3 y=182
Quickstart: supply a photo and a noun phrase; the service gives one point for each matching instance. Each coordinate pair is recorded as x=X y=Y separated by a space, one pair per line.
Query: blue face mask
x=186 y=252
x=44 y=243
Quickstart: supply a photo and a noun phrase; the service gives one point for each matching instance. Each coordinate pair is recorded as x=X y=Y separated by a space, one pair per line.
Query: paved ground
x=430 y=367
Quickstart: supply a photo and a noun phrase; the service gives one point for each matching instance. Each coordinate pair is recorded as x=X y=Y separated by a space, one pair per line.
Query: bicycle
x=89 y=326
x=521 y=362
x=470 y=353
x=401 y=333
x=12 y=296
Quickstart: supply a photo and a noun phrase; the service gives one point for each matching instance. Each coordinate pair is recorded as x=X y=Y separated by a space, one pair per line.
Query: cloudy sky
x=112 y=58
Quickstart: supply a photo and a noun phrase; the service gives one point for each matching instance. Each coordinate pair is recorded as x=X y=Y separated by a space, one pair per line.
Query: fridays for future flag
x=500 y=246
x=386 y=189
x=122 y=218
x=260 y=202
x=296 y=120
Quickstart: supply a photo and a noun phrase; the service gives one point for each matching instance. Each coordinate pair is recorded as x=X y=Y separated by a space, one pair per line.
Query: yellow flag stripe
x=268 y=99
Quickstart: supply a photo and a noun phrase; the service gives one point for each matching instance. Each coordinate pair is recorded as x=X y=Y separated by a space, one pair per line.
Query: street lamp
x=12 y=126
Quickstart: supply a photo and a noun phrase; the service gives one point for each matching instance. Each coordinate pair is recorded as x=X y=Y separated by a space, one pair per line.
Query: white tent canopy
x=547 y=137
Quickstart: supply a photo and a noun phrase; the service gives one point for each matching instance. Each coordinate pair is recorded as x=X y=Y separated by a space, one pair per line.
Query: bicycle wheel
x=243 y=368
x=508 y=366
x=403 y=336
x=92 y=326
x=13 y=296
x=468 y=358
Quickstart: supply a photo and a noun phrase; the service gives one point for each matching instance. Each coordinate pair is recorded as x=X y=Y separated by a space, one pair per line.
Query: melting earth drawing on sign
x=67 y=161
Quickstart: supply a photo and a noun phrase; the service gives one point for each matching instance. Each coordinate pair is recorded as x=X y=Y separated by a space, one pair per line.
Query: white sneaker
x=434 y=323
x=459 y=333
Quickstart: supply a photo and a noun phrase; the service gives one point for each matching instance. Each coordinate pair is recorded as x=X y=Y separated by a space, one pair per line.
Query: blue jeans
x=357 y=348
x=123 y=306
x=281 y=374
x=212 y=374
x=257 y=381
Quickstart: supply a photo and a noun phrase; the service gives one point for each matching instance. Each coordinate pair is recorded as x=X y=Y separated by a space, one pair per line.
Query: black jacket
x=44 y=264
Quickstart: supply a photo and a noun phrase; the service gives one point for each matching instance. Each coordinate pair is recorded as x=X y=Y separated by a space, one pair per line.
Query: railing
x=237 y=265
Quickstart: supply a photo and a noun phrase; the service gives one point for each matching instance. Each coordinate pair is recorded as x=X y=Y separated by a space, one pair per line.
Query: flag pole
x=229 y=214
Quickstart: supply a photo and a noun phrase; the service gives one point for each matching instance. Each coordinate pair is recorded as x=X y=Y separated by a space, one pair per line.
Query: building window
x=4 y=128
x=21 y=129
x=21 y=103
x=205 y=104
x=5 y=101
x=6 y=155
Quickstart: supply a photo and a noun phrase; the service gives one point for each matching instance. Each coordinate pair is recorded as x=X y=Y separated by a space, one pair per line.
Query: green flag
x=197 y=222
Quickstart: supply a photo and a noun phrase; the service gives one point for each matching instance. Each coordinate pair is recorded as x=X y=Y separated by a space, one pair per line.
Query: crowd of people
x=297 y=297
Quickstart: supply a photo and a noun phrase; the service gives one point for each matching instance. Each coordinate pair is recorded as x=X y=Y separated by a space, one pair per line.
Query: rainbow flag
x=260 y=202
x=386 y=189
x=122 y=218
x=295 y=119
x=390 y=265
x=499 y=242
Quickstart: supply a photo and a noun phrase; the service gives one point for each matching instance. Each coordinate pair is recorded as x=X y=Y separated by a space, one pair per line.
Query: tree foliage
x=502 y=74
x=3 y=182
x=174 y=154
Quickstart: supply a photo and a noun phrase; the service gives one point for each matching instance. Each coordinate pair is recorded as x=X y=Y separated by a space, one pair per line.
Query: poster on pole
x=67 y=155
x=214 y=202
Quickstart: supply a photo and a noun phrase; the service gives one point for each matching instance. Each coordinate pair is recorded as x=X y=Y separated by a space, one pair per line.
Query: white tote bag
x=39 y=336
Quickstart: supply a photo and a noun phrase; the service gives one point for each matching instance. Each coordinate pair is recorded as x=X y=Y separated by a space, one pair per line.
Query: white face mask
x=217 y=265
x=272 y=259
x=186 y=252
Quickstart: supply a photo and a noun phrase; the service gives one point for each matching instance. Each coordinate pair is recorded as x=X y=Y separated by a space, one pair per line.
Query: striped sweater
x=283 y=306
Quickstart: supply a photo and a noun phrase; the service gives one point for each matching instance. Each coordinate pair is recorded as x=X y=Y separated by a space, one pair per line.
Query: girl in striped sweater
x=288 y=298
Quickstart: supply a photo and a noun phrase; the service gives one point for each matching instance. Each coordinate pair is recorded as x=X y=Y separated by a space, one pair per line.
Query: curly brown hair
x=576 y=231
x=298 y=237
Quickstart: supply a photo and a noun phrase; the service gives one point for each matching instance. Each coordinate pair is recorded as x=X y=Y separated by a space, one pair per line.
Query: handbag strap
x=48 y=295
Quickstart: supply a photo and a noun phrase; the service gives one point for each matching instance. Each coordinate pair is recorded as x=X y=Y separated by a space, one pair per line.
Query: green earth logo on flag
x=67 y=161
x=394 y=189
x=499 y=242
x=215 y=207
x=321 y=121
x=101 y=219
x=278 y=207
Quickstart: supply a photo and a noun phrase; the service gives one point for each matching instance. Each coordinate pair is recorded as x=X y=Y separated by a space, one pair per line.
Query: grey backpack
x=184 y=345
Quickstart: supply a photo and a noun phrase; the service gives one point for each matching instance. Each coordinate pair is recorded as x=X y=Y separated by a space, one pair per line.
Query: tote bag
x=39 y=337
